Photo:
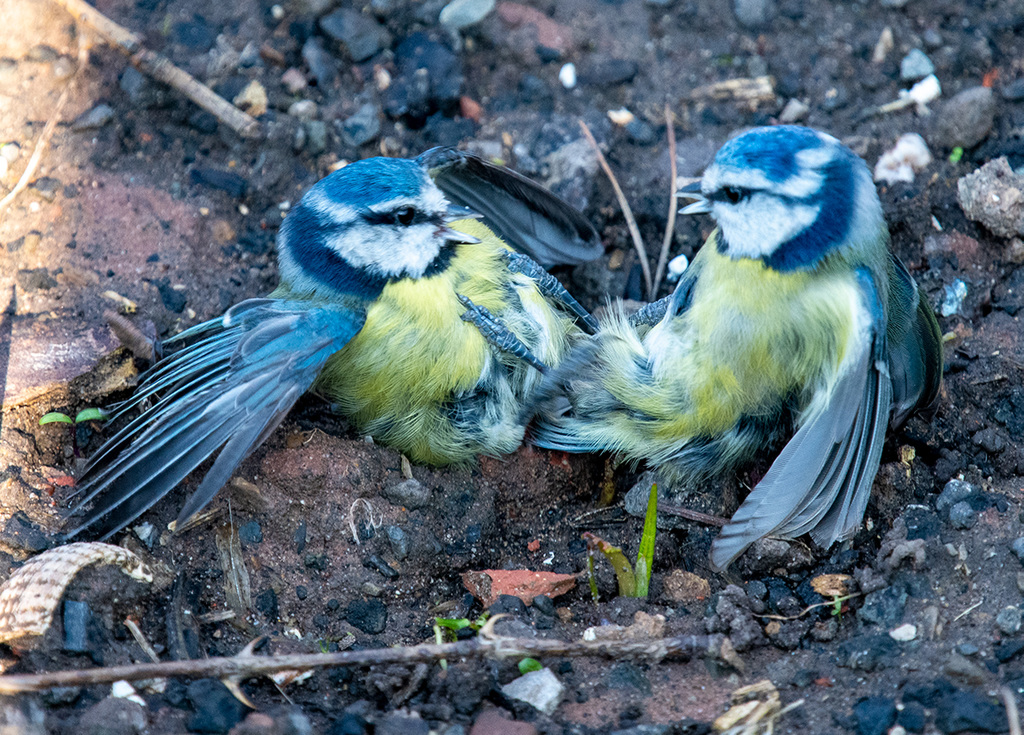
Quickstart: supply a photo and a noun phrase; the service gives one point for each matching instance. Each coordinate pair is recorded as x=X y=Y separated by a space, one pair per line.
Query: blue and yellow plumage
x=793 y=316
x=386 y=286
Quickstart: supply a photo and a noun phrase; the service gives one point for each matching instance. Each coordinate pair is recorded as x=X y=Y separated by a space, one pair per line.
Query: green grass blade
x=645 y=556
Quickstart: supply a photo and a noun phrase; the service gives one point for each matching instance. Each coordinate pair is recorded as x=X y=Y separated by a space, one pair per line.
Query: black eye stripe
x=404 y=216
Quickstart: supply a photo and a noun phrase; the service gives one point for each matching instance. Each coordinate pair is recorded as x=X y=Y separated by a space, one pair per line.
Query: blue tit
x=793 y=321
x=393 y=303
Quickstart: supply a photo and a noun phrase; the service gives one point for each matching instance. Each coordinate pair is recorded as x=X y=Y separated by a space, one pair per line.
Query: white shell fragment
x=30 y=596
x=904 y=633
x=567 y=76
x=909 y=155
x=621 y=116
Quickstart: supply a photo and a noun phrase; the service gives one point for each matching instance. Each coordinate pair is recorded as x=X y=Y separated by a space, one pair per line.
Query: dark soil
x=161 y=205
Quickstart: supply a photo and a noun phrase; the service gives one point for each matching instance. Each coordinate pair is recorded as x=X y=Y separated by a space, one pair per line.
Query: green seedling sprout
x=455 y=625
x=634 y=580
x=86 y=414
x=527 y=665
x=956 y=155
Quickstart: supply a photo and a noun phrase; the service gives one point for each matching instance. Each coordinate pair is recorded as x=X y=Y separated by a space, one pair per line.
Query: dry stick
x=244 y=666
x=673 y=201
x=161 y=68
x=634 y=231
x=692 y=515
x=1010 y=703
x=41 y=144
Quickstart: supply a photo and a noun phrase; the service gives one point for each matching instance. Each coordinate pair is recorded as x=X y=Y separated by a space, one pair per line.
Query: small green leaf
x=529 y=664
x=593 y=579
x=623 y=569
x=455 y=624
x=91 y=414
x=55 y=417
x=645 y=556
x=956 y=155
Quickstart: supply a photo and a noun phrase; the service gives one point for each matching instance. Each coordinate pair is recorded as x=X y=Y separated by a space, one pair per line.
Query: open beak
x=454 y=214
x=700 y=205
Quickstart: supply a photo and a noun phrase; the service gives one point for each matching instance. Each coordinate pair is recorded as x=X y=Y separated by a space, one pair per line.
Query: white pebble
x=676 y=267
x=910 y=154
x=567 y=76
x=904 y=633
x=124 y=690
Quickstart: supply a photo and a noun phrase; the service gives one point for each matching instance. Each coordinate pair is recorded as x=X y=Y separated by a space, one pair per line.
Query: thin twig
x=692 y=515
x=673 y=201
x=1010 y=703
x=634 y=231
x=41 y=144
x=161 y=68
x=714 y=646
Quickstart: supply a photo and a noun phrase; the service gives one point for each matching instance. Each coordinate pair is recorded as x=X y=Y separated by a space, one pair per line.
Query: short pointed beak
x=700 y=205
x=455 y=212
x=452 y=235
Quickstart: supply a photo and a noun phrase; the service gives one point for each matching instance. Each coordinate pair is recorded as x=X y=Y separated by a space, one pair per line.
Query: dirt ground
x=145 y=204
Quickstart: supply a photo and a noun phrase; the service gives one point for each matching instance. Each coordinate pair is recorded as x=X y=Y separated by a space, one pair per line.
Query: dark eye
x=732 y=194
x=405 y=215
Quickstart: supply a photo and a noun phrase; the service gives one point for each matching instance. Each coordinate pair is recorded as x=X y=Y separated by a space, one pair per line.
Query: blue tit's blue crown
x=790 y=196
x=372 y=180
x=771 y=150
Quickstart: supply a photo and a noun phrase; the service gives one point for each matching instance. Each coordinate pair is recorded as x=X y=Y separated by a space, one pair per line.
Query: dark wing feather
x=820 y=482
x=915 y=346
x=226 y=389
x=521 y=212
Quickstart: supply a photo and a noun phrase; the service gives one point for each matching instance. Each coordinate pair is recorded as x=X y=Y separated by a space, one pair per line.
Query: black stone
x=640 y=132
x=194 y=35
x=250 y=533
x=928 y=693
x=214 y=178
x=544 y=605
x=966 y=711
x=629 y=676
x=266 y=603
x=922 y=523
x=174 y=300
x=609 y=72
x=884 y=607
x=46 y=187
x=866 y=652
x=370 y=616
x=874 y=715
x=1008 y=650
x=509 y=604
x=301 y=592
x=359 y=35
x=22 y=533
x=349 y=724
x=300 y=538
x=77 y=616
x=216 y=709
x=377 y=564
x=911 y=717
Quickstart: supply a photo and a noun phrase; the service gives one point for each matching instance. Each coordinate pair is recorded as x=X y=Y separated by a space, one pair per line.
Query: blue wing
x=227 y=388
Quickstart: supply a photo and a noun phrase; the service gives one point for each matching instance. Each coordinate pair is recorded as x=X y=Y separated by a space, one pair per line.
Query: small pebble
x=966 y=119
x=459 y=14
x=915 y=65
x=904 y=633
x=962 y=516
x=954 y=491
x=794 y=111
x=92 y=119
x=540 y=689
x=754 y=14
x=567 y=76
x=1018 y=549
x=1009 y=620
x=362 y=126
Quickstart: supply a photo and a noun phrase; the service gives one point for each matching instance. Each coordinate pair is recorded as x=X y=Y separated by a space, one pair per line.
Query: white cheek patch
x=757 y=227
x=390 y=250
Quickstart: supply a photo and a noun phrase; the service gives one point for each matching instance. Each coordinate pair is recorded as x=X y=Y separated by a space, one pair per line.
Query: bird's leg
x=650 y=314
x=497 y=333
x=549 y=286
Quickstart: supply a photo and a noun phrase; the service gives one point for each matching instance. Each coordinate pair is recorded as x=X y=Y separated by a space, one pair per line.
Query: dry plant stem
x=691 y=515
x=161 y=69
x=1010 y=704
x=244 y=666
x=41 y=144
x=634 y=231
x=673 y=201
